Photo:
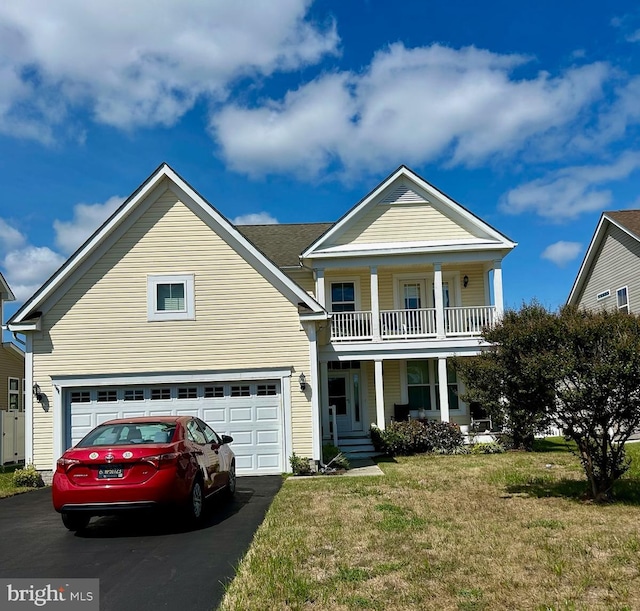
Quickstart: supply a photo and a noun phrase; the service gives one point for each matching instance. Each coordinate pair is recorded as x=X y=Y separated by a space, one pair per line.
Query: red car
x=141 y=463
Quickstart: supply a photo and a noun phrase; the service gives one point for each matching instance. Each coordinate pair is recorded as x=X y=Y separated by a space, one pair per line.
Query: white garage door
x=251 y=412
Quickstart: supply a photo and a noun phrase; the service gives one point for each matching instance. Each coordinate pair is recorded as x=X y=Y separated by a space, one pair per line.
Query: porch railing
x=411 y=324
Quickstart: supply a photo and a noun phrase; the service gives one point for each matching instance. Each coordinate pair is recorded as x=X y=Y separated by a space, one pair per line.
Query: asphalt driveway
x=145 y=562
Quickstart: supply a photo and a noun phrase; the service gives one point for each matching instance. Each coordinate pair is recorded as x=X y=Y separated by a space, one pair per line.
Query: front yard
x=504 y=531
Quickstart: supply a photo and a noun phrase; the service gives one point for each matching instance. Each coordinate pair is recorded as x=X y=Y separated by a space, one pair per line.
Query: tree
x=598 y=390
x=514 y=379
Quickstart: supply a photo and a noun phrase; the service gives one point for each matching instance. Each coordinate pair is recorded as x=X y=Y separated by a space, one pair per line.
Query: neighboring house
x=11 y=362
x=609 y=276
x=169 y=308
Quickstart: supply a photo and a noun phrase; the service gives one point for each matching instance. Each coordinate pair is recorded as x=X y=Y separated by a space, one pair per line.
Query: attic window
x=603 y=295
x=170 y=297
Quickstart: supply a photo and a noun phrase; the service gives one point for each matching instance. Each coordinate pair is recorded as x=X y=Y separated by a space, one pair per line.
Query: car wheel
x=195 y=504
x=231 y=485
x=75 y=521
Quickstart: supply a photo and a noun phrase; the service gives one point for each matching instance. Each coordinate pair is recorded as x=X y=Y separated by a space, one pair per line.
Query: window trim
x=625 y=306
x=15 y=393
x=154 y=280
x=356 y=292
x=603 y=295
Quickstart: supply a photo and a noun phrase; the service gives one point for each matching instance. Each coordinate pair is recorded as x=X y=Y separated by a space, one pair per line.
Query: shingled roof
x=283 y=243
x=630 y=219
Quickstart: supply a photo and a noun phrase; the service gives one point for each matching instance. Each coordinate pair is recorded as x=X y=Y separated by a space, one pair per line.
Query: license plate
x=111 y=472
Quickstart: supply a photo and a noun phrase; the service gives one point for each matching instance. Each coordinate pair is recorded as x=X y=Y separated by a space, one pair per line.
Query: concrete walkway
x=358 y=468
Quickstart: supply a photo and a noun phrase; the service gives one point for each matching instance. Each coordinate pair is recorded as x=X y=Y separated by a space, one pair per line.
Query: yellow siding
x=402 y=223
x=100 y=325
x=11 y=366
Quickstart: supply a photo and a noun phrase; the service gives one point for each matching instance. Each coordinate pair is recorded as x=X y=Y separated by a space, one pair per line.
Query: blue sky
x=292 y=111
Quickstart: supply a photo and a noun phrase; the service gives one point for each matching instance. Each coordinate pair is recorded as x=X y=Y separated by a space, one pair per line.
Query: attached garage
x=252 y=411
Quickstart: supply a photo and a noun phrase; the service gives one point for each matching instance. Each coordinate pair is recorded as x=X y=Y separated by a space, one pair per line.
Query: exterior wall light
x=303 y=382
x=465 y=281
x=38 y=394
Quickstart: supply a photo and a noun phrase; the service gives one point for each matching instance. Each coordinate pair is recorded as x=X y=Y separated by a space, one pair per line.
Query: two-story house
x=609 y=276
x=283 y=336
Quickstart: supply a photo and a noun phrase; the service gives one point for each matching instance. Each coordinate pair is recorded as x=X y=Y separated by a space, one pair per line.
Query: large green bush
x=416 y=437
x=27 y=477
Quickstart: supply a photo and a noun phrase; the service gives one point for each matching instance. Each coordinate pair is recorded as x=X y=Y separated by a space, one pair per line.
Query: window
x=158 y=394
x=343 y=297
x=170 y=297
x=188 y=392
x=107 y=395
x=136 y=394
x=240 y=391
x=14 y=394
x=80 y=396
x=623 y=299
x=194 y=433
x=209 y=434
x=212 y=392
x=266 y=390
x=603 y=295
x=418 y=384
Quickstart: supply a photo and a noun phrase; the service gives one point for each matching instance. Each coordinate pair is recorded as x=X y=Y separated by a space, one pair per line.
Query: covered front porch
x=359 y=393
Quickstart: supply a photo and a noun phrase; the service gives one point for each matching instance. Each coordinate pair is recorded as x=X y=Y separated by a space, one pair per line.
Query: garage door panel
x=254 y=422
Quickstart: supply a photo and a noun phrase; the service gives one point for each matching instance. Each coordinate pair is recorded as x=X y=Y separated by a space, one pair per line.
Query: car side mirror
x=227 y=439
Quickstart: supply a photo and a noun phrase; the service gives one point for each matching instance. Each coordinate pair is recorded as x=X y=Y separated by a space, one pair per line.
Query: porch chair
x=401 y=412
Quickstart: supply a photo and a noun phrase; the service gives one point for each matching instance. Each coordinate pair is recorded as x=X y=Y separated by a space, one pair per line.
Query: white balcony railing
x=402 y=324
x=411 y=324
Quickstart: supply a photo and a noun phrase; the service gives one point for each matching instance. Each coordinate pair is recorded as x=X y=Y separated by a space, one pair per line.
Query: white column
x=314 y=388
x=375 y=305
x=320 y=288
x=380 y=421
x=28 y=403
x=324 y=393
x=439 y=302
x=498 y=298
x=443 y=389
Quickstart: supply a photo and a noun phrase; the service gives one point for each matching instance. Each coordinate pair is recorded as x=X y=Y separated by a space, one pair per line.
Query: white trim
x=316 y=434
x=287 y=438
x=375 y=302
x=379 y=387
x=603 y=295
x=16 y=392
x=443 y=389
x=498 y=297
x=626 y=305
x=170 y=378
x=187 y=281
x=28 y=406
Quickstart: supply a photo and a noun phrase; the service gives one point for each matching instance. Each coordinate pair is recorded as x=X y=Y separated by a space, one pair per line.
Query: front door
x=344 y=394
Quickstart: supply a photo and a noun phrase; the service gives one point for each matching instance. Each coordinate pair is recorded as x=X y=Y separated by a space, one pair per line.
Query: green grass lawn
x=506 y=531
x=7 y=487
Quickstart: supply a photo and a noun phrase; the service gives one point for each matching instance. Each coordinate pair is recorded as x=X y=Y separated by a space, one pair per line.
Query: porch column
x=375 y=304
x=314 y=390
x=379 y=395
x=324 y=399
x=437 y=296
x=498 y=298
x=320 y=287
x=443 y=389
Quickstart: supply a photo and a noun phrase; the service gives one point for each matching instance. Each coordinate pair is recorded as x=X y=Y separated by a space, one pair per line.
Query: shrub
x=332 y=453
x=414 y=437
x=27 y=477
x=300 y=465
x=487 y=447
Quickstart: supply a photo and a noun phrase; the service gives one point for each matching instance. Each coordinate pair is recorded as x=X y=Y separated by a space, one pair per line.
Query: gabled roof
x=284 y=243
x=5 y=290
x=627 y=221
x=10 y=346
x=405 y=187
x=164 y=177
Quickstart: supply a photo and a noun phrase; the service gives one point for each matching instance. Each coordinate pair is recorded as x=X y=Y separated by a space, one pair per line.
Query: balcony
x=410 y=324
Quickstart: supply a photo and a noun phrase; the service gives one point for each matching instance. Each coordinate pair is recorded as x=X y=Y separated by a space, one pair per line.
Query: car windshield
x=128 y=433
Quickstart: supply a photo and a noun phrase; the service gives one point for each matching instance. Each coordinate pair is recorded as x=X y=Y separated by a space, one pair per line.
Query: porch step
x=355 y=448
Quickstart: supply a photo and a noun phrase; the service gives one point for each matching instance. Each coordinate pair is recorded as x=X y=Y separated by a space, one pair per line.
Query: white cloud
x=256 y=218
x=142 y=63
x=86 y=219
x=569 y=192
x=27 y=268
x=10 y=237
x=409 y=106
x=562 y=252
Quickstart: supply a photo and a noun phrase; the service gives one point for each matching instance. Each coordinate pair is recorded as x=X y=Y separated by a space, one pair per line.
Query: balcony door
x=344 y=394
